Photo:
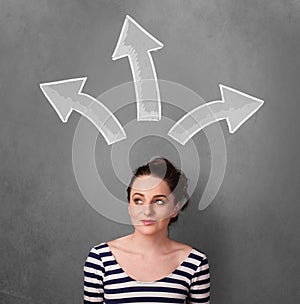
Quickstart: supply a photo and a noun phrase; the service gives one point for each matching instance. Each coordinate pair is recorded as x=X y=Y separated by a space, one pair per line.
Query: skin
x=148 y=253
x=151 y=199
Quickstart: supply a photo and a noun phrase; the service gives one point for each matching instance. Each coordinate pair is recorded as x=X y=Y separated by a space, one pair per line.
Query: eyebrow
x=157 y=195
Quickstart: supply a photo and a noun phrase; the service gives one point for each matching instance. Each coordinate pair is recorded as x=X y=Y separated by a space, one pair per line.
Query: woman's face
x=151 y=203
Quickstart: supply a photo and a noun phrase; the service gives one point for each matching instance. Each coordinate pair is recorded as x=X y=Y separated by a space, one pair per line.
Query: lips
x=148 y=222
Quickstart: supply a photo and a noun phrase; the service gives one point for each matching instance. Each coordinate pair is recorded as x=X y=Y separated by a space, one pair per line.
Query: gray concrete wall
x=251 y=230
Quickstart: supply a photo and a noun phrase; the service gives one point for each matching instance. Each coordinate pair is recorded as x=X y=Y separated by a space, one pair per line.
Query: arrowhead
x=133 y=36
x=239 y=107
x=62 y=95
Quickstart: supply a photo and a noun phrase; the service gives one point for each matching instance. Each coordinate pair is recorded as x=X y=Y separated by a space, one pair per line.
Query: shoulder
x=196 y=256
x=99 y=247
x=181 y=248
x=98 y=251
x=199 y=259
x=180 y=251
x=94 y=259
x=119 y=243
x=193 y=257
x=200 y=254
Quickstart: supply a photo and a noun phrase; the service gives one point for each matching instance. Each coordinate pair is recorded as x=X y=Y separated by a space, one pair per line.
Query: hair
x=175 y=178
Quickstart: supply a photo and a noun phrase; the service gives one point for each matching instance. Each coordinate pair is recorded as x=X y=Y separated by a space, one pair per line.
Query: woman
x=147 y=266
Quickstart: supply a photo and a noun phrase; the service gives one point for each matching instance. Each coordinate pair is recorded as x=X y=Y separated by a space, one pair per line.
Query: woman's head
x=167 y=172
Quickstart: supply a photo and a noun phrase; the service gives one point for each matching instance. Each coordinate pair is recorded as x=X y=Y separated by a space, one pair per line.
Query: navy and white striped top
x=106 y=282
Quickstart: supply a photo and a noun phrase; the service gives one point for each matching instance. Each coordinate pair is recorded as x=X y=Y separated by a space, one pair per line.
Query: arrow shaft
x=196 y=120
x=102 y=118
x=146 y=85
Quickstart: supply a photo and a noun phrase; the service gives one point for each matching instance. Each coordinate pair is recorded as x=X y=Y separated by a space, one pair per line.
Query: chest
x=151 y=268
x=148 y=270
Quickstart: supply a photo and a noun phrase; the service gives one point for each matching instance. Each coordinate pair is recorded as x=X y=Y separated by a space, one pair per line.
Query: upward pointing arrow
x=236 y=107
x=136 y=43
x=66 y=96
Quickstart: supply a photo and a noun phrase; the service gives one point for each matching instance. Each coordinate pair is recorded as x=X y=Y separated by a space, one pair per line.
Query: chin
x=151 y=229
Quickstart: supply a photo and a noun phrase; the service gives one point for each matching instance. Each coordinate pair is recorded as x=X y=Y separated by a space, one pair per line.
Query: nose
x=148 y=209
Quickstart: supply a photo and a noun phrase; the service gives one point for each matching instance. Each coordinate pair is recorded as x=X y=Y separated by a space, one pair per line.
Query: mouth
x=148 y=222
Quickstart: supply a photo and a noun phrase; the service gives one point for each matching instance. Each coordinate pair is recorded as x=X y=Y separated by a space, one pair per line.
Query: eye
x=137 y=201
x=160 y=202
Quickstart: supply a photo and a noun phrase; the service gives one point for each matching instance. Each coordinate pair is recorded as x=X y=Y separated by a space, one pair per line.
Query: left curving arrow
x=66 y=96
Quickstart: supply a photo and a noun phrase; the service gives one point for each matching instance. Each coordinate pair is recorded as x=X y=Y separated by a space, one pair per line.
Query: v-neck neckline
x=158 y=280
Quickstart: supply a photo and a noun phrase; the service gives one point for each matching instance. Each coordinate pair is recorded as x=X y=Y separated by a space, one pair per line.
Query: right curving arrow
x=236 y=107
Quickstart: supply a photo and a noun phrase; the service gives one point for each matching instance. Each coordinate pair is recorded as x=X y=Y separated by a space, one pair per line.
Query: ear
x=176 y=210
x=128 y=208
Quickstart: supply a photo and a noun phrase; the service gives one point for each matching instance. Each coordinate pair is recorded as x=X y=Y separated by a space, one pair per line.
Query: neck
x=150 y=244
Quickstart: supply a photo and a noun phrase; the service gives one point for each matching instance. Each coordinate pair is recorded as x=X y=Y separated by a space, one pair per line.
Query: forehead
x=150 y=183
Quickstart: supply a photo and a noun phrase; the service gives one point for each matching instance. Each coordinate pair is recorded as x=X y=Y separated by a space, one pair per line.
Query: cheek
x=135 y=210
x=167 y=210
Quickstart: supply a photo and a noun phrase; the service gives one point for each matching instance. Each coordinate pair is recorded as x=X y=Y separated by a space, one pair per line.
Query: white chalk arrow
x=236 y=107
x=66 y=96
x=136 y=43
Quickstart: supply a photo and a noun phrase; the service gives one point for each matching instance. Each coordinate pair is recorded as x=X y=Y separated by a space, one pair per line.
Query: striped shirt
x=106 y=282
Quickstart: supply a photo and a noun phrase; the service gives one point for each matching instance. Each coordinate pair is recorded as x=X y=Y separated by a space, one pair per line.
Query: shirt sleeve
x=93 y=278
x=200 y=284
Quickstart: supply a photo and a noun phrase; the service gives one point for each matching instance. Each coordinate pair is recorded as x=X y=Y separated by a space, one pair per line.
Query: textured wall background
x=251 y=230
